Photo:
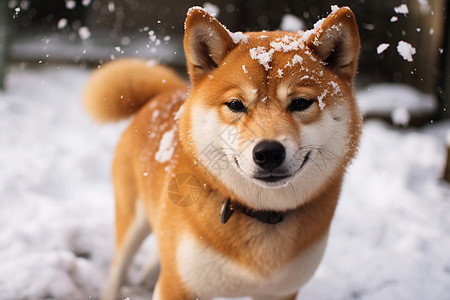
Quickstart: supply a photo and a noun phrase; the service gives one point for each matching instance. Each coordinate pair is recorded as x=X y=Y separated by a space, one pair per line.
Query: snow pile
x=384 y=98
x=389 y=239
x=56 y=202
x=56 y=208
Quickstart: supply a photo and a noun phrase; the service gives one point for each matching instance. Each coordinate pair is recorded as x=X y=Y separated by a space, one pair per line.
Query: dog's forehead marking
x=284 y=89
x=251 y=92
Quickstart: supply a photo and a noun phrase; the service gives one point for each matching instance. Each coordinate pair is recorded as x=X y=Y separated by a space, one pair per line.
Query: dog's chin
x=272 y=182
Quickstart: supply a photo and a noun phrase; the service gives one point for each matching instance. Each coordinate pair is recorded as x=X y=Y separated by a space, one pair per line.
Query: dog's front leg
x=168 y=287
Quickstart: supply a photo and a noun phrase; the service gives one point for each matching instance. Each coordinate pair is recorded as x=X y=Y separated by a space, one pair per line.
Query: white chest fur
x=208 y=273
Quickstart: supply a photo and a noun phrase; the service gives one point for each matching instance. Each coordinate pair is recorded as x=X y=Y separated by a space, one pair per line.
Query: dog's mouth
x=275 y=178
x=272 y=178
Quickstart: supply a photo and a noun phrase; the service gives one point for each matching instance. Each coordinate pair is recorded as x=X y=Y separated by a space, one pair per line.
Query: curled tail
x=120 y=88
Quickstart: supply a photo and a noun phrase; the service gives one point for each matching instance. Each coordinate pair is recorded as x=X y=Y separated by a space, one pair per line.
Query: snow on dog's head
x=272 y=115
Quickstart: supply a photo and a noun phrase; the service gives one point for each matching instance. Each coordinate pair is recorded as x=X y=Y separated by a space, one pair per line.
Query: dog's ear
x=206 y=43
x=336 y=42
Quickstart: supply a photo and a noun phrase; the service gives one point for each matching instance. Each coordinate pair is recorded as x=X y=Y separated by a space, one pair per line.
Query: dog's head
x=272 y=115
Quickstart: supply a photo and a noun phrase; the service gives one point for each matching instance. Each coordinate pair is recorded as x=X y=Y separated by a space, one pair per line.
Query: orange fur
x=142 y=174
x=130 y=84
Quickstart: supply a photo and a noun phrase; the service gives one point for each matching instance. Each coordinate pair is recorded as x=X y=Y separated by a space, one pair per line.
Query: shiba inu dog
x=237 y=175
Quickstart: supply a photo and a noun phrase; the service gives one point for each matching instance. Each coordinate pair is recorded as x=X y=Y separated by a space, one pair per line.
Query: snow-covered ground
x=390 y=238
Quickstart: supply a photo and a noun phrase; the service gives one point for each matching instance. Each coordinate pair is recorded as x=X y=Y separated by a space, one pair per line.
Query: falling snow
x=382 y=47
x=84 y=33
x=402 y=9
x=406 y=50
x=212 y=9
x=62 y=23
x=71 y=4
x=292 y=23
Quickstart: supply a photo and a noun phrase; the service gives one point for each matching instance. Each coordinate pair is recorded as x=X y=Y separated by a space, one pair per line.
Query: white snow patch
x=336 y=88
x=262 y=55
x=244 y=69
x=382 y=47
x=287 y=43
x=320 y=99
x=166 y=147
x=193 y=8
x=406 y=50
x=280 y=73
x=319 y=23
x=402 y=9
x=292 y=23
x=238 y=37
x=297 y=59
x=334 y=9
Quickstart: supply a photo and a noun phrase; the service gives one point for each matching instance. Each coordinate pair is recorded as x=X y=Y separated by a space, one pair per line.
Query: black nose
x=269 y=154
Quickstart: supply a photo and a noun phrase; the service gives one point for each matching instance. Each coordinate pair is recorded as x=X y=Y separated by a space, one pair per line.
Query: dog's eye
x=299 y=104
x=236 y=106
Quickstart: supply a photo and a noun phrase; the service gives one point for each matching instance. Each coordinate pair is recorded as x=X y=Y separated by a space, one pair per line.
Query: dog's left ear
x=206 y=43
x=336 y=42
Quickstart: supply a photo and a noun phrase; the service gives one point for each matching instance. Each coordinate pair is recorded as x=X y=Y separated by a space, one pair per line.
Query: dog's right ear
x=206 y=43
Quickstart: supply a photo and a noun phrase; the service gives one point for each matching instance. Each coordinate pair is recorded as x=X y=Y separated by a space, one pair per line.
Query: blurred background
x=91 y=32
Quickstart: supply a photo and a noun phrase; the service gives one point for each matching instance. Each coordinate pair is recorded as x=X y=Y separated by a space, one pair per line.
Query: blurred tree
x=4 y=40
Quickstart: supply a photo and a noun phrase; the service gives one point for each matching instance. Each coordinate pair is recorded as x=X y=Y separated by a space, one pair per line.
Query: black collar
x=265 y=216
